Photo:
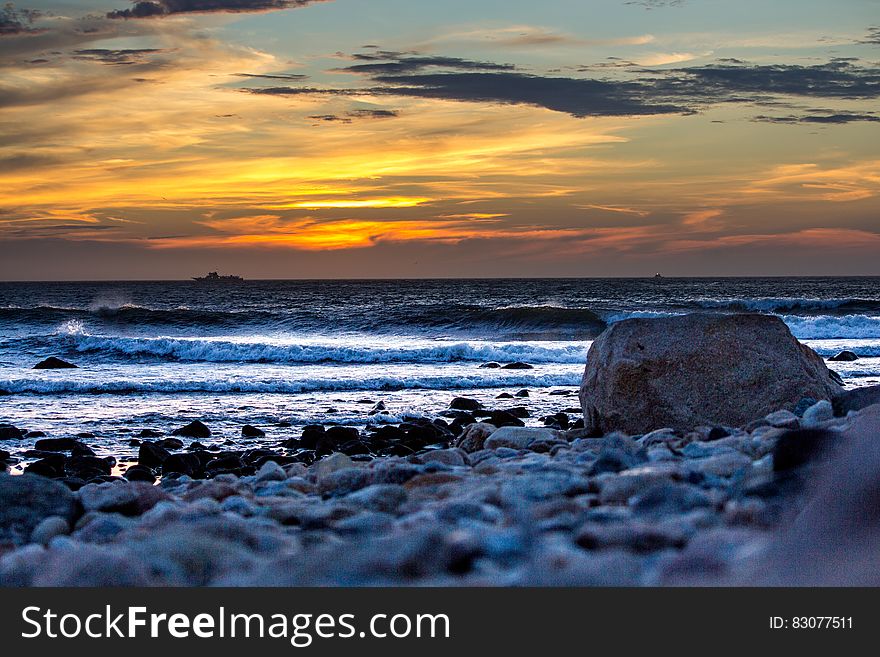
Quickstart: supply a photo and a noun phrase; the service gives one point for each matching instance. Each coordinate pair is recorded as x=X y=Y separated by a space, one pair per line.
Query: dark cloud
x=117 y=57
x=349 y=117
x=373 y=114
x=836 y=79
x=828 y=119
x=154 y=8
x=873 y=36
x=274 y=76
x=682 y=90
x=655 y=4
x=397 y=63
x=17 y=21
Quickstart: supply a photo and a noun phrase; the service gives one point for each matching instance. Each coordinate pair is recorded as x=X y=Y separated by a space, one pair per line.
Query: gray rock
x=473 y=438
x=453 y=456
x=698 y=369
x=385 y=498
x=817 y=414
x=854 y=400
x=130 y=499
x=271 y=471
x=783 y=419
x=518 y=437
x=328 y=464
x=49 y=528
x=26 y=500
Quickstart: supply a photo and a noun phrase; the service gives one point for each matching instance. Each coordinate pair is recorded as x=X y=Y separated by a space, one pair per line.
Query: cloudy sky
x=408 y=138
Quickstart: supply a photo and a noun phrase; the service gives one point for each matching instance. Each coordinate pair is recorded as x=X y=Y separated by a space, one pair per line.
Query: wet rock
x=249 y=431
x=522 y=393
x=50 y=466
x=698 y=369
x=844 y=356
x=517 y=366
x=195 y=429
x=150 y=433
x=9 y=432
x=504 y=419
x=140 y=473
x=128 y=499
x=490 y=365
x=53 y=363
x=271 y=471
x=504 y=395
x=170 y=443
x=465 y=404
x=152 y=455
x=385 y=498
x=26 y=500
x=454 y=456
x=57 y=444
x=854 y=400
x=187 y=464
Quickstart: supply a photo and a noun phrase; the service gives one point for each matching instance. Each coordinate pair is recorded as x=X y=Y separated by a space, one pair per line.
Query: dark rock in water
x=187 y=463
x=250 y=431
x=354 y=447
x=577 y=424
x=855 y=400
x=378 y=408
x=35 y=434
x=311 y=435
x=522 y=393
x=152 y=455
x=85 y=435
x=9 y=432
x=366 y=401
x=844 y=355
x=490 y=365
x=517 y=366
x=717 y=433
x=504 y=419
x=4 y=455
x=170 y=443
x=26 y=500
x=82 y=450
x=225 y=463
x=140 y=473
x=699 y=369
x=150 y=433
x=88 y=467
x=51 y=466
x=556 y=421
x=284 y=424
x=519 y=411
x=796 y=448
x=504 y=395
x=196 y=445
x=52 y=363
x=73 y=483
x=336 y=435
x=195 y=429
x=57 y=444
x=465 y=404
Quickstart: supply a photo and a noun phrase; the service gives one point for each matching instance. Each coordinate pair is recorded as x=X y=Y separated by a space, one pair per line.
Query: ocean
x=283 y=354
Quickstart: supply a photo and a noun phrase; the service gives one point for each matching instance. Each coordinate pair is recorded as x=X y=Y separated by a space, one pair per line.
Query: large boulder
x=699 y=369
x=27 y=500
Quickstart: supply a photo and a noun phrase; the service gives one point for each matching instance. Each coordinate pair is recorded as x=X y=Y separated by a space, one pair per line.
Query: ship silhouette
x=214 y=277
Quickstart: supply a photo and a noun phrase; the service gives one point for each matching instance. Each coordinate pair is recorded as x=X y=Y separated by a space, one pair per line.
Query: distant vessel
x=214 y=277
x=658 y=275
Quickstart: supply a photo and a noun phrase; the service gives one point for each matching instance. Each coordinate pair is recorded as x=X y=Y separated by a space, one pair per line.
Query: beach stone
x=492 y=365
x=344 y=481
x=697 y=369
x=817 y=414
x=474 y=436
x=328 y=464
x=26 y=500
x=385 y=498
x=250 y=431
x=465 y=404
x=49 y=528
x=53 y=363
x=170 y=443
x=452 y=456
x=844 y=356
x=783 y=419
x=518 y=437
x=186 y=464
x=195 y=429
x=140 y=473
x=271 y=471
x=129 y=499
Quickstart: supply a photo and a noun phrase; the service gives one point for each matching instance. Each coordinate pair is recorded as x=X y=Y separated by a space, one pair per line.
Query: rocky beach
x=703 y=449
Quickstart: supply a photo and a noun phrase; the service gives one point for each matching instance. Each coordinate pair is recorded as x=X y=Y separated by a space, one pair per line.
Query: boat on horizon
x=214 y=277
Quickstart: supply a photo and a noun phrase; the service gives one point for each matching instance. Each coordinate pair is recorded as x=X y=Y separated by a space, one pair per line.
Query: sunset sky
x=407 y=138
